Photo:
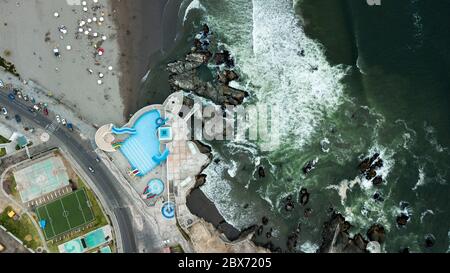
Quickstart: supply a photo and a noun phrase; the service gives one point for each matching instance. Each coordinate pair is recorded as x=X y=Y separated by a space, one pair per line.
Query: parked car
x=45 y=111
x=25 y=97
x=31 y=109
x=58 y=118
x=91 y=169
x=63 y=121
x=11 y=96
x=4 y=111
x=36 y=107
x=18 y=118
x=2 y=84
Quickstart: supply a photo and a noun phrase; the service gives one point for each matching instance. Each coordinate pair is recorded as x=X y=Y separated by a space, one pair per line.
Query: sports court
x=89 y=241
x=41 y=178
x=65 y=214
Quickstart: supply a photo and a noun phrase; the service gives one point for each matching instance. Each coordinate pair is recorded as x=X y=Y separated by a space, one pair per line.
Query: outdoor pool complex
x=142 y=147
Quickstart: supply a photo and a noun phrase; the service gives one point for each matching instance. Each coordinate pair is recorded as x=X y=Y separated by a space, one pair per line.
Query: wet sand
x=146 y=28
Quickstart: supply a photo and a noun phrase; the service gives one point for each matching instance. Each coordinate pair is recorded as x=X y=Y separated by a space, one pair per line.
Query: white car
x=64 y=122
x=91 y=169
x=58 y=118
x=2 y=84
x=4 y=111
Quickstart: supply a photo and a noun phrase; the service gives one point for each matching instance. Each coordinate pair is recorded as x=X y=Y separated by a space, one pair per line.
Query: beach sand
x=134 y=31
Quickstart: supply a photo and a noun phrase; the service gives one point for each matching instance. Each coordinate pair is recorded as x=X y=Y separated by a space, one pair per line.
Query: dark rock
x=269 y=234
x=405 y=250
x=309 y=166
x=376 y=233
x=260 y=230
x=292 y=242
x=224 y=57
x=371 y=174
x=307 y=212
x=304 y=196
x=379 y=163
x=377 y=181
x=261 y=172
x=402 y=219
x=206 y=29
x=265 y=220
x=289 y=206
x=377 y=196
x=200 y=180
x=364 y=165
x=227 y=76
x=269 y=245
x=245 y=206
x=429 y=240
x=335 y=237
x=277 y=250
x=374 y=157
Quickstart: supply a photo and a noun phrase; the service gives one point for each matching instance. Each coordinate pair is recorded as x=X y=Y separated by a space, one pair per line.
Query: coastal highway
x=105 y=182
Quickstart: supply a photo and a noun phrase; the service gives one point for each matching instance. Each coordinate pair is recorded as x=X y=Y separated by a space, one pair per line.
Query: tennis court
x=65 y=214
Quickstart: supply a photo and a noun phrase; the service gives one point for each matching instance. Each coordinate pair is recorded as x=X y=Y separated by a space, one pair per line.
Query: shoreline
x=142 y=34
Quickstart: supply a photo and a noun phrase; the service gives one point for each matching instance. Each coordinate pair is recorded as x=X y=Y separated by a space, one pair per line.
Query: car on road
x=4 y=111
x=18 y=118
x=11 y=96
x=36 y=107
x=2 y=84
x=58 y=118
x=63 y=121
x=25 y=97
x=91 y=169
x=97 y=159
x=45 y=111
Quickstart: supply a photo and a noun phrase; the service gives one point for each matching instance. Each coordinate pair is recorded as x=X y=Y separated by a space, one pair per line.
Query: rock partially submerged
x=376 y=233
x=369 y=166
x=310 y=166
x=336 y=239
x=304 y=196
x=184 y=76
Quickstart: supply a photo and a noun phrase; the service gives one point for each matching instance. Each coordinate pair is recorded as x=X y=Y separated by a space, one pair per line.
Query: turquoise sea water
x=381 y=85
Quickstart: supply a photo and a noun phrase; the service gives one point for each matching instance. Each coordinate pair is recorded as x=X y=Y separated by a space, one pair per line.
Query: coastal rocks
x=200 y=180
x=304 y=196
x=292 y=242
x=184 y=74
x=368 y=168
x=265 y=220
x=402 y=219
x=310 y=166
x=260 y=230
x=224 y=57
x=336 y=239
x=429 y=240
x=289 y=203
x=261 y=172
x=376 y=233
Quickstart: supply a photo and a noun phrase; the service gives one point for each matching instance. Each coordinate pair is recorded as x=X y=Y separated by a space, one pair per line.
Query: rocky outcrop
x=184 y=74
x=336 y=239
x=376 y=233
x=368 y=168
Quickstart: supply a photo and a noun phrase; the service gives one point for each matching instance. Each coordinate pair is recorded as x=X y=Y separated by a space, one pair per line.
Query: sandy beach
x=100 y=88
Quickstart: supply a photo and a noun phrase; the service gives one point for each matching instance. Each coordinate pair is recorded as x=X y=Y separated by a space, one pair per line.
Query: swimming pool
x=142 y=147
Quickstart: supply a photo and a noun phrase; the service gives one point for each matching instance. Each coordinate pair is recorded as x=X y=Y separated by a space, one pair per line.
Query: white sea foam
x=425 y=213
x=421 y=179
x=195 y=4
x=309 y=247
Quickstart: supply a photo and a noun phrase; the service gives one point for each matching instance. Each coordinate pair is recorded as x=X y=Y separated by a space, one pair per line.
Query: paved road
x=82 y=152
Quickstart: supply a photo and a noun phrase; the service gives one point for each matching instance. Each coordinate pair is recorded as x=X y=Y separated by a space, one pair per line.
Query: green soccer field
x=65 y=214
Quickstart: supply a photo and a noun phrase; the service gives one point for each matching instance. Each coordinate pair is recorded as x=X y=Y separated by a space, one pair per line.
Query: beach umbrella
x=101 y=51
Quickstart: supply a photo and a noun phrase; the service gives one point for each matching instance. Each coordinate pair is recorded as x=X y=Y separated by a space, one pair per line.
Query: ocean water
x=381 y=84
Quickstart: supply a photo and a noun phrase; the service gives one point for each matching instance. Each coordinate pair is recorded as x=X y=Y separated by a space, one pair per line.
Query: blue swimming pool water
x=142 y=148
x=95 y=238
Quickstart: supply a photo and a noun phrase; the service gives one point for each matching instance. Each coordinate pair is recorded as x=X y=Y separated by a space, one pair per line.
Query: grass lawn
x=2 y=152
x=100 y=218
x=22 y=229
